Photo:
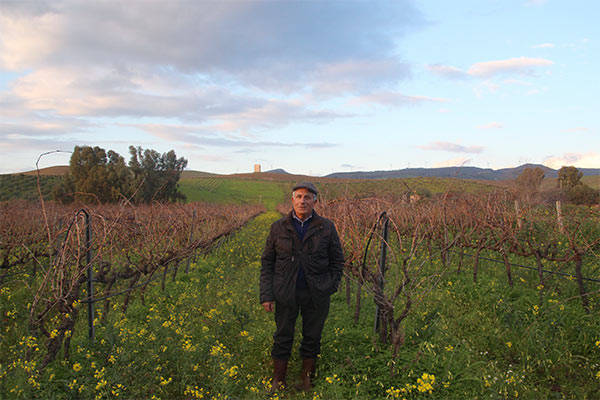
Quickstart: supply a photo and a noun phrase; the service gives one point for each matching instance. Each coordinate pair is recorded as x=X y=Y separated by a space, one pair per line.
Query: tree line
x=96 y=175
x=569 y=186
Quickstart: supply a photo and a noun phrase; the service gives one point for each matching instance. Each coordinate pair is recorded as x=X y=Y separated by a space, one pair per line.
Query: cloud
x=40 y=128
x=218 y=158
x=262 y=39
x=19 y=122
x=28 y=39
x=517 y=82
x=393 y=99
x=447 y=71
x=319 y=145
x=488 y=69
x=13 y=147
x=579 y=160
x=119 y=94
x=452 y=147
x=454 y=162
x=202 y=136
x=521 y=66
x=543 y=46
x=14 y=143
x=351 y=167
x=491 y=125
x=335 y=79
x=272 y=114
x=111 y=93
x=238 y=67
x=486 y=86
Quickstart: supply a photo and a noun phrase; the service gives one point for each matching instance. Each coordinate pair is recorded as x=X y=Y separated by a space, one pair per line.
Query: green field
x=231 y=190
x=593 y=181
x=271 y=193
x=393 y=187
x=25 y=186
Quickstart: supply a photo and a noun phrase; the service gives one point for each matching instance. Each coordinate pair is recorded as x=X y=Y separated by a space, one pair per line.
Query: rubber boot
x=307 y=374
x=280 y=370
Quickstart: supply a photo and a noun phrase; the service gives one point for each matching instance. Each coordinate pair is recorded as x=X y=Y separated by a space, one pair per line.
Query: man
x=301 y=267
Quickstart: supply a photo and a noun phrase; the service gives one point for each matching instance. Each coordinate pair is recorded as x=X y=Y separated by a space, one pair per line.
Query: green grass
x=394 y=187
x=271 y=193
x=593 y=181
x=238 y=191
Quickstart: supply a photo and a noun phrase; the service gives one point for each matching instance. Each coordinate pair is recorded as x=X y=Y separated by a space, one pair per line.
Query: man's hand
x=268 y=305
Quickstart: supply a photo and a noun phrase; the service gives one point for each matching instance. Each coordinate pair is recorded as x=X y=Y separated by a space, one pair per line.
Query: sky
x=313 y=87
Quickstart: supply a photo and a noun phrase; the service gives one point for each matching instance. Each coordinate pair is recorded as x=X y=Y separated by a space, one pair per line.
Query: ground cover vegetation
x=489 y=295
x=400 y=188
x=46 y=251
x=25 y=187
x=235 y=190
x=593 y=181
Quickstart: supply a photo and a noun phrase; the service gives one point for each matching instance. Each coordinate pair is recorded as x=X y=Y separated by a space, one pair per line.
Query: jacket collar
x=315 y=223
x=316 y=219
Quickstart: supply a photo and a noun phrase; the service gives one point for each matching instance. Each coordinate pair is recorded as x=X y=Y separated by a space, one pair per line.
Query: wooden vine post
x=559 y=217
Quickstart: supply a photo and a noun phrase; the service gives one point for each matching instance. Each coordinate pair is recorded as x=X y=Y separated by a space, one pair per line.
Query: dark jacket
x=320 y=254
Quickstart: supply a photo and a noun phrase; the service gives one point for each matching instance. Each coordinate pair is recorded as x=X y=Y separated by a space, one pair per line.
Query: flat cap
x=306 y=185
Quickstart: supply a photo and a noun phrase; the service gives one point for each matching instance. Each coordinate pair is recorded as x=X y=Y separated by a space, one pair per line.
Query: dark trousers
x=313 y=319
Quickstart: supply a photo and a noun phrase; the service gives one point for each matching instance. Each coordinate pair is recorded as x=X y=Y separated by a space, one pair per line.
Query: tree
x=575 y=191
x=569 y=177
x=529 y=182
x=64 y=191
x=88 y=171
x=155 y=175
x=119 y=177
x=94 y=176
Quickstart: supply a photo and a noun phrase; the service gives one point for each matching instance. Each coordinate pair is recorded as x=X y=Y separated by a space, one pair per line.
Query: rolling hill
x=457 y=172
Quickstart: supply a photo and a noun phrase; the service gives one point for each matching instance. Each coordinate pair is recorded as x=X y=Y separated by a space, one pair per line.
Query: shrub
x=583 y=194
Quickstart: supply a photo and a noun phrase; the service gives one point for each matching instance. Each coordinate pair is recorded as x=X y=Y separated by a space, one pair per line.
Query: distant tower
x=256 y=167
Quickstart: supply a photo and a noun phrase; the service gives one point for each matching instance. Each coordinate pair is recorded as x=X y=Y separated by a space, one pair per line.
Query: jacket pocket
x=283 y=248
x=284 y=284
x=324 y=284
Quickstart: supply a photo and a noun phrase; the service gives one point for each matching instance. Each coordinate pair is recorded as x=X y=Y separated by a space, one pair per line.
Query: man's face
x=303 y=201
